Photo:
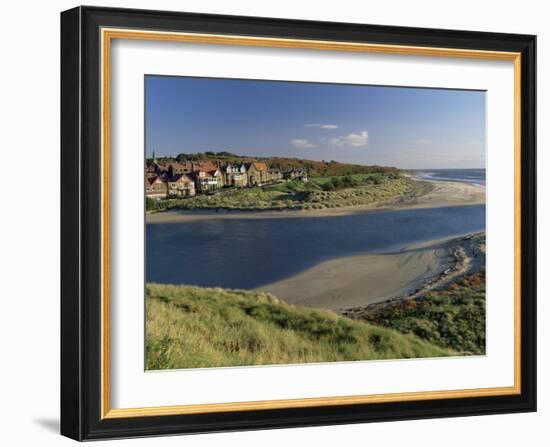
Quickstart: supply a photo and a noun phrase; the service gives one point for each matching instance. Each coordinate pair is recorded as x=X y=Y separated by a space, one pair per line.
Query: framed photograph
x=276 y=223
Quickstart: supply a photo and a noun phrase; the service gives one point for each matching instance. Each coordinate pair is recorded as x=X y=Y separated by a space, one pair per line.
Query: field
x=319 y=193
x=190 y=327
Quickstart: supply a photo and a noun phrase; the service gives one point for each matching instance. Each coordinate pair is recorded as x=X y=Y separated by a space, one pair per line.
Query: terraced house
x=209 y=181
x=275 y=174
x=171 y=178
x=181 y=185
x=296 y=174
x=256 y=173
x=156 y=187
x=176 y=168
x=235 y=175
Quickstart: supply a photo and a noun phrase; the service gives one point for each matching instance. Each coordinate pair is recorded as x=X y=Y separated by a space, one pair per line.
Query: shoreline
x=445 y=193
x=376 y=279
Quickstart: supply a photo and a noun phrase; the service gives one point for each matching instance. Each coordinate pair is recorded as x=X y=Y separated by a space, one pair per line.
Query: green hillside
x=190 y=327
x=314 y=167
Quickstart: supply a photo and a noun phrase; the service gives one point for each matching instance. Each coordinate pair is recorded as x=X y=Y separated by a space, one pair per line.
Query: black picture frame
x=81 y=224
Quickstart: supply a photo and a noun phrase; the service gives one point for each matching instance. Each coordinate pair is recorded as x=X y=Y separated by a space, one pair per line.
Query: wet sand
x=467 y=257
x=365 y=279
x=443 y=194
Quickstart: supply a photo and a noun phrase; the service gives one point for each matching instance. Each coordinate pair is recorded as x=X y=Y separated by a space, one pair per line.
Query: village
x=171 y=178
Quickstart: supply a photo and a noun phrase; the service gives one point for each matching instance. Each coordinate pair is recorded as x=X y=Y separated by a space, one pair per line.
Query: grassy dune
x=318 y=193
x=190 y=327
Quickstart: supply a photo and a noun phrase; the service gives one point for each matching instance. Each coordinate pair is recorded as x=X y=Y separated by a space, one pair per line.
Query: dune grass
x=360 y=189
x=192 y=327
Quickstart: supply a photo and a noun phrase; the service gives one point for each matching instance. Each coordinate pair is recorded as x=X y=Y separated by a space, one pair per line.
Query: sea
x=473 y=176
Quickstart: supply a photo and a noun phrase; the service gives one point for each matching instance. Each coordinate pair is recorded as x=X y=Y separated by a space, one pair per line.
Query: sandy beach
x=443 y=194
x=362 y=280
x=448 y=194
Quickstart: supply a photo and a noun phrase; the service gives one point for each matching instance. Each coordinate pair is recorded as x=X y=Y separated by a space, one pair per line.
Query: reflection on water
x=247 y=253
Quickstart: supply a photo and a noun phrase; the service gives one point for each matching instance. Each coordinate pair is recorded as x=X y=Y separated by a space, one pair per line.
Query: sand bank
x=362 y=280
x=443 y=194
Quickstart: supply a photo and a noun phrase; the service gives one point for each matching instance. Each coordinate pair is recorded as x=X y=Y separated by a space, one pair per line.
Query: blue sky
x=394 y=126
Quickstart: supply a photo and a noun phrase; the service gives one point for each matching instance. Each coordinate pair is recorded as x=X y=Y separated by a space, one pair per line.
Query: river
x=247 y=253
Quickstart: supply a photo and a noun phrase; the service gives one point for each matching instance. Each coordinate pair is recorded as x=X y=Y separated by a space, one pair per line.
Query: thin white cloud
x=323 y=126
x=360 y=139
x=301 y=143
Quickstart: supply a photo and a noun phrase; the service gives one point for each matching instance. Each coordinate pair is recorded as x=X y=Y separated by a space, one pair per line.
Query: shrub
x=453 y=318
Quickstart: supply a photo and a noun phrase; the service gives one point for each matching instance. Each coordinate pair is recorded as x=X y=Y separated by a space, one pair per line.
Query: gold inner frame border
x=107 y=35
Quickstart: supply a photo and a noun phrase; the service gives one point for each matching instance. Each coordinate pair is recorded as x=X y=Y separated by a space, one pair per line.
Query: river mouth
x=250 y=253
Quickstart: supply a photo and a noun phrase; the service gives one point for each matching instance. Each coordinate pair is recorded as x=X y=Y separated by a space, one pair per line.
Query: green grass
x=364 y=179
x=297 y=195
x=191 y=327
x=453 y=318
